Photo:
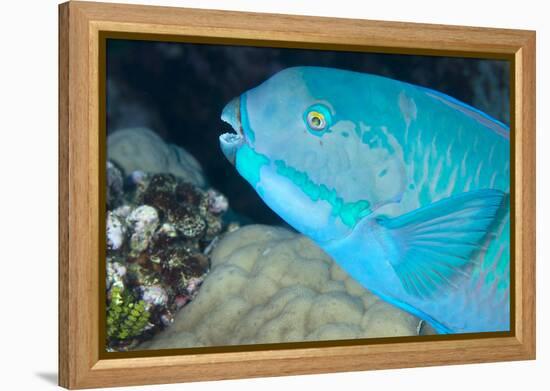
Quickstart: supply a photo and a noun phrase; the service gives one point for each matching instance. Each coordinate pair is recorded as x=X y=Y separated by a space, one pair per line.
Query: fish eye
x=316 y=120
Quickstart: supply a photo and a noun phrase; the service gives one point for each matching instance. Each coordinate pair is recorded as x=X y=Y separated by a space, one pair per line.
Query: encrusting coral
x=160 y=232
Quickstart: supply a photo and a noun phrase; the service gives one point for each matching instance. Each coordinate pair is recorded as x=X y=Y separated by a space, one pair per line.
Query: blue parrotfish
x=406 y=188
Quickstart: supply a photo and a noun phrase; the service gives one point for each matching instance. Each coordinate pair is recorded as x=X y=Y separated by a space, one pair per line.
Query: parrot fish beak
x=231 y=142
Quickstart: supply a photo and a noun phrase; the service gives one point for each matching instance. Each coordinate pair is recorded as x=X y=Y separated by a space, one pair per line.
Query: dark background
x=178 y=90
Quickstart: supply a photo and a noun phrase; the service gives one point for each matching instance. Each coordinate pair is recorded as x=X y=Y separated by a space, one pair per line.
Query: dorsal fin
x=475 y=114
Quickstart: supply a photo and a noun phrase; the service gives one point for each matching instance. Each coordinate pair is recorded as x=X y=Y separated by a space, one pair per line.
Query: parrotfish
x=406 y=188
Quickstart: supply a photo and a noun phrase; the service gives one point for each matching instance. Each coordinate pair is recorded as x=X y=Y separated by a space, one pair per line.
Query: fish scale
x=406 y=188
x=493 y=265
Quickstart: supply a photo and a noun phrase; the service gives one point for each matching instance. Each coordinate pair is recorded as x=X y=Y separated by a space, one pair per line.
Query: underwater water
x=200 y=254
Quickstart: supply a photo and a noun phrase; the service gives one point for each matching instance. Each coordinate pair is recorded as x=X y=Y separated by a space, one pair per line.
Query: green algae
x=126 y=316
x=249 y=163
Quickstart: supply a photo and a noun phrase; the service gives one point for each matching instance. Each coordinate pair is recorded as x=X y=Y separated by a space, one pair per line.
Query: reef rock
x=143 y=222
x=159 y=240
x=270 y=285
x=115 y=182
x=140 y=149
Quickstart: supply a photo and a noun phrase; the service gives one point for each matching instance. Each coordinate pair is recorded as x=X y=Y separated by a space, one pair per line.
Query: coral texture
x=140 y=149
x=270 y=285
x=159 y=238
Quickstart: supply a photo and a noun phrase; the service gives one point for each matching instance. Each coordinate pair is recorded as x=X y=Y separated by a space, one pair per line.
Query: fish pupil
x=316 y=120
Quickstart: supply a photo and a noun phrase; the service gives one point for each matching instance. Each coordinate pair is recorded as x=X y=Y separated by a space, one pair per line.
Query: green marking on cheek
x=349 y=212
x=337 y=204
x=312 y=191
x=249 y=163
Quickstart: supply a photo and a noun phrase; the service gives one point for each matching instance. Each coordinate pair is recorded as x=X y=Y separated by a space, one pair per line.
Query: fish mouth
x=231 y=142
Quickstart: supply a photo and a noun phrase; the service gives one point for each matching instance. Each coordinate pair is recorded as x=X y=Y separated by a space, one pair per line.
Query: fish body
x=407 y=189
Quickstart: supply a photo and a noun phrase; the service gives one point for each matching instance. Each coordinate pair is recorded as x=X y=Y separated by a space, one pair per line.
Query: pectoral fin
x=437 y=243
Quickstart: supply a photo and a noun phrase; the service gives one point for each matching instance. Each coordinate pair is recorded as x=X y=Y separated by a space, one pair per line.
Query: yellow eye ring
x=316 y=120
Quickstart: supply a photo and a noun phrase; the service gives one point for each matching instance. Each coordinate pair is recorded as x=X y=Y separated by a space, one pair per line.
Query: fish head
x=265 y=117
x=298 y=140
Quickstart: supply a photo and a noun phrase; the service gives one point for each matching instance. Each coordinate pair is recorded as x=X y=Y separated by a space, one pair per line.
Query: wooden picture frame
x=81 y=180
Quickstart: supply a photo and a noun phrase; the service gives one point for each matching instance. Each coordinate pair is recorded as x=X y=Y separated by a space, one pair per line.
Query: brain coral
x=267 y=285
